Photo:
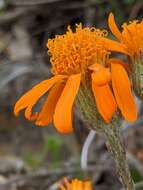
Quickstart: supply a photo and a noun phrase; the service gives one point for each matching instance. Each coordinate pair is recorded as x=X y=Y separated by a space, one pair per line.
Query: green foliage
x=33 y=159
x=136 y=176
x=52 y=145
x=50 y=149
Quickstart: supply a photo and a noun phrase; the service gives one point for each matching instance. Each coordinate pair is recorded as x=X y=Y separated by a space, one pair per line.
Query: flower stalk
x=116 y=148
x=137 y=76
x=111 y=132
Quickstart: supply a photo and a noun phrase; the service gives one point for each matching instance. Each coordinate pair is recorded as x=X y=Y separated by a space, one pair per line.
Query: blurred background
x=34 y=158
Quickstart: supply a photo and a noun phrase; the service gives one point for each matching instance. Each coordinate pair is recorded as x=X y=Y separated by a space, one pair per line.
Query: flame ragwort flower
x=131 y=44
x=131 y=37
x=74 y=56
x=76 y=184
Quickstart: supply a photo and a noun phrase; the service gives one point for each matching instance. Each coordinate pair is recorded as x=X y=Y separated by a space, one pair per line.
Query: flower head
x=131 y=37
x=131 y=44
x=76 y=184
x=74 y=56
x=73 y=52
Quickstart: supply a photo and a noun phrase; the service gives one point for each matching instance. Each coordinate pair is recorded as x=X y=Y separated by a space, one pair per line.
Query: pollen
x=133 y=36
x=74 y=51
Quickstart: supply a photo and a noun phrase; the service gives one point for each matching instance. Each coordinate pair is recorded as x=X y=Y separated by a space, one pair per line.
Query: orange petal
x=113 y=27
x=46 y=114
x=87 y=185
x=123 y=94
x=74 y=184
x=79 y=185
x=96 y=67
x=102 y=75
x=115 y=46
x=29 y=99
x=63 y=111
x=104 y=100
x=119 y=61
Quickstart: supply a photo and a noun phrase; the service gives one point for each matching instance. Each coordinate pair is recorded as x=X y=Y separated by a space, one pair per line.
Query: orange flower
x=121 y=88
x=131 y=37
x=73 y=55
x=76 y=184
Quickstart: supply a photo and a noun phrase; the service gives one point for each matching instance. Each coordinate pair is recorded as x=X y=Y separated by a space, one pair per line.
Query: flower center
x=73 y=52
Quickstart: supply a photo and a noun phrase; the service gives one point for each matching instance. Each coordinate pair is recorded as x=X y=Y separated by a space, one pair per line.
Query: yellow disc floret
x=73 y=52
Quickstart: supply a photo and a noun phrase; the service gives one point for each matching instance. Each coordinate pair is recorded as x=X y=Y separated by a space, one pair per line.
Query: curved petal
x=45 y=116
x=119 y=61
x=29 y=99
x=113 y=27
x=102 y=75
x=104 y=100
x=96 y=67
x=115 y=46
x=122 y=91
x=63 y=110
x=31 y=116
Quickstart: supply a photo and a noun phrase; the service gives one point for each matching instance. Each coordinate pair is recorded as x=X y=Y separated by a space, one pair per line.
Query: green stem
x=116 y=147
x=86 y=105
x=137 y=76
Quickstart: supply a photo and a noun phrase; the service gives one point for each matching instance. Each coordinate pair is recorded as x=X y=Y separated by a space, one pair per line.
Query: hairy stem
x=87 y=106
x=116 y=147
x=137 y=76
